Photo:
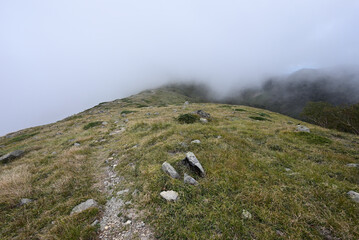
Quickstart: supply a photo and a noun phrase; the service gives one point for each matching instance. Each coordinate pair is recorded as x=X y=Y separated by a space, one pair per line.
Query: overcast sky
x=61 y=57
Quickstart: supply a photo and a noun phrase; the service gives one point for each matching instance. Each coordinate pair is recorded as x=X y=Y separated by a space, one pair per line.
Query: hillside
x=289 y=94
x=263 y=180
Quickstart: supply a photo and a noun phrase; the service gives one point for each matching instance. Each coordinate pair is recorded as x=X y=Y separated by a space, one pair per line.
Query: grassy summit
x=293 y=184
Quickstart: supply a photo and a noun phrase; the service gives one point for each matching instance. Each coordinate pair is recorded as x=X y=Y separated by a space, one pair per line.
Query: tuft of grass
x=92 y=124
x=141 y=105
x=259 y=118
x=21 y=137
x=15 y=184
x=188 y=118
x=312 y=138
x=239 y=110
x=264 y=115
x=127 y=112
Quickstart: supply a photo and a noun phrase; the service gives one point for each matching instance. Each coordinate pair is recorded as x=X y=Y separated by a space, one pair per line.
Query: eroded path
x=120 y=220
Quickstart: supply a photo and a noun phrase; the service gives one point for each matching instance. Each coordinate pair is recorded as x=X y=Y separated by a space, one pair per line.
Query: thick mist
x=58 y=58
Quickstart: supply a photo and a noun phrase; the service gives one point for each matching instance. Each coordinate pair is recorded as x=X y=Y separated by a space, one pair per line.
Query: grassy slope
x=246 y=169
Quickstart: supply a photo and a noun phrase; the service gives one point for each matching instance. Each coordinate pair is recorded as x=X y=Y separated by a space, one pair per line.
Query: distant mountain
x=289 y=94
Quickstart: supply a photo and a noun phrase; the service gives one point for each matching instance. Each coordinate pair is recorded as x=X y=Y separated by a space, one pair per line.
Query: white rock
x=354 y=195
x=301 y=128
x=196 y=141
x=246 y=214
x=194 y=163
x=123 y=191
x=128 y=222
x=353 y=165
x=25 y=201
x=169 y=195
x=203 y=120
x=77 y=144
x=83 y=206
x=104 y=123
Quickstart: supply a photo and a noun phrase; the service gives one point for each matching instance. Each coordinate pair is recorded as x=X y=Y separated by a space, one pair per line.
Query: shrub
x=127 y=112
x=188 y=118
x=92 y=124
x=239 y=110
x=259 y=118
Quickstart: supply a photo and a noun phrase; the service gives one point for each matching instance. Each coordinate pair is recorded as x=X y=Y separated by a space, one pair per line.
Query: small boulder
x=196 y=141
x=77 y=144
x=246 y=214
x=25 y=201
x=84 y=206
x=169 y=195
x=203 y=120
x=194 y=164
x=167 y=168
x=190 y=180
x=353 y=165
x=11 y=156
x=104 y=123
x=203 y=114
x=354 y=196
x=301 y=128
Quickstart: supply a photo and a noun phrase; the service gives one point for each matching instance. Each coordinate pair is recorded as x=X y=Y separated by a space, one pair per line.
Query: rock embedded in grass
x=203 y=120
x=84 y=206
x=194 y=164
x=25 y=201
x=190 y=180
x=169 y=195
x=196 y=141
x=353 y=165
x=354 y=196
x=11 y=156
x=246 y=214
x=301 y=128
x=167 y=168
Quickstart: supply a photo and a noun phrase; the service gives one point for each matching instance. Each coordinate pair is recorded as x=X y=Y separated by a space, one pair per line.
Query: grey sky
x=58 y=58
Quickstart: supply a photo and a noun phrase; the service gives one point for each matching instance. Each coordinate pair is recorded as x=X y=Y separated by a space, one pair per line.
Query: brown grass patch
x=14 y=184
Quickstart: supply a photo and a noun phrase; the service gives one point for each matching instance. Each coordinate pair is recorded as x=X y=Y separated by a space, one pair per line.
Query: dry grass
x=15 y=184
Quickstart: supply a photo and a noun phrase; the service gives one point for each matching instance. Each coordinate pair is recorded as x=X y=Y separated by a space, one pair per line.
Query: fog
x=58 y=58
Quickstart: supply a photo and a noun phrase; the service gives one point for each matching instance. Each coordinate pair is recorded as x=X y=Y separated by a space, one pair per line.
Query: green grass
x=127 y=112
x=21 y=137
x=259 y=118
x=188 y=118
x=92 y=124
x=239 y=110
x=294 y=184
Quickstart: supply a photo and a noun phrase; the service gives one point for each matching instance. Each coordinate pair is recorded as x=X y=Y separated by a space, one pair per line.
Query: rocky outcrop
x=11 y=156
x=354 y=196
x=301 y=128
x=194 y=164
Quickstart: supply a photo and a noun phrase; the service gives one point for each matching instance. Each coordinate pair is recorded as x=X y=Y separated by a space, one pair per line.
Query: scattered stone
x=54 y=153
x=190 y=180
x=128 y=202
x=126 y=120
x=354 y=196
x=83 y=206
x=287 y=169
x=246 y=214
x=110 y=158
x=104 y=123
x=117 y=131
x=219 y=136
x=203 y=120
x=203 y=114
x=156 y=113
x=25 y=201
x=193 y=162
x=185 y=105
x=76 y=144
x=148 y=114
x=167 y=168
x=95 y=222
x=115 y=122
x=175 y=110
x=135 y=193
x=353 y=165
x=301 y=128
x=128 y=222
x=11 y=156
x=196 y=141
x=123 y=191
x=169 y=195
x=123 y=114
x=71 y=140
x=280 y=233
